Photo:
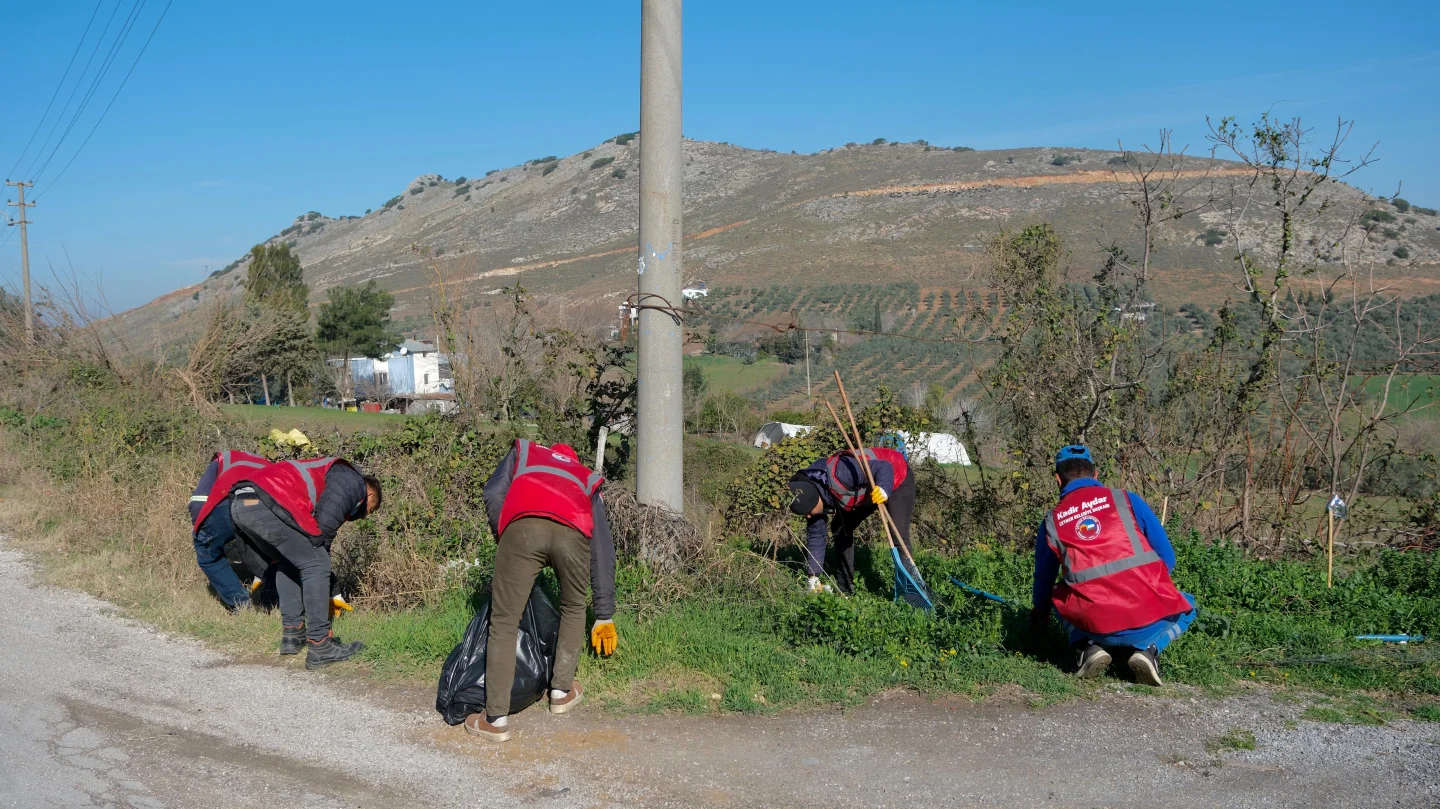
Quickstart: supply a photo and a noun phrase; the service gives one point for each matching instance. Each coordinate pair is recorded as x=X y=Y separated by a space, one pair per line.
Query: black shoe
x=292 y=639
x=330 y=650
x=1093 y=661
x=1146 y=665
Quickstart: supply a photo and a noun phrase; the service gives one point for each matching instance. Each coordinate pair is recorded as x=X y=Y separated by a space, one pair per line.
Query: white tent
x=943 y=447
x=773 y=432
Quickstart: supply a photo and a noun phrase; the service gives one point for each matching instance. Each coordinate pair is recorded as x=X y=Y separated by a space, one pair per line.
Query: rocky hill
x=869 y=214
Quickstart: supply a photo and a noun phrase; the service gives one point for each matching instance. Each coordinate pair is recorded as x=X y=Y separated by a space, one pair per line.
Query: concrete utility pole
x=20 y=187
x=660 y=411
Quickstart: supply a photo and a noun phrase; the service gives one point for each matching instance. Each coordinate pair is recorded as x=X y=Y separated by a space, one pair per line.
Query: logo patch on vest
x=1088 y=528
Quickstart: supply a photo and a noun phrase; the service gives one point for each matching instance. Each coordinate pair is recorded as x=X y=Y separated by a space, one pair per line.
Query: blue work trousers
x=210 y=540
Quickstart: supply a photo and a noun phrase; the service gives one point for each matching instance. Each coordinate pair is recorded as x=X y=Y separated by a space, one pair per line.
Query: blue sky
x=242 y=115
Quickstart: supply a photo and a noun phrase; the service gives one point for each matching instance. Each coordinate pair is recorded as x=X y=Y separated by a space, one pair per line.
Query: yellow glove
x=255 y=584
x=603 y=637
x=337 y=605
x=878 y=496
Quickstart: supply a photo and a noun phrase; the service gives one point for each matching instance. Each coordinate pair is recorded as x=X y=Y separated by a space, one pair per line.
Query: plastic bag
x=462 y=678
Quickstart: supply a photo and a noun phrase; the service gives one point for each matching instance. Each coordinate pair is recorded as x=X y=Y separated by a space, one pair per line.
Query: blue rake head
x=909 y=587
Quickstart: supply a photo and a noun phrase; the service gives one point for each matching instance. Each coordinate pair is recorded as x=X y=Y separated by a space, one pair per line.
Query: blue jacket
x=1047 y=564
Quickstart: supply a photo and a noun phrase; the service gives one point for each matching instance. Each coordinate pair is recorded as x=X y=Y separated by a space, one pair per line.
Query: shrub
x=1375 y=216
x=367 y=211
x=1213 y=237
x=549 y=168
x=1426 y=211
x=1122 y=160
x=492 y=171
x=622 y=140
x=460 y=180
x=393 y=201
x=601 y=162
x=504 y=179
x=462 y=190
x=1400 y=205
x=962 y=149
x=1391 y=233
x=852 y=144
x=877 y=142
x=618 y=174
x=417 y=189
x=312 y=216
x=1401 y=252
x=1064 y=160
x=539 y=161
x=289 y=230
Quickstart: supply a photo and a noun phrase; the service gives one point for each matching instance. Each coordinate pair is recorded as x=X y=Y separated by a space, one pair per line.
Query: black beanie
x=806 y=495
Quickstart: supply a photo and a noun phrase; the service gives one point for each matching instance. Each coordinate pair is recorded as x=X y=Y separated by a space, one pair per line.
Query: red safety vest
x=851 y=498
x=545 y=483
x=229 y=460
x=295 y=486
x=1113 y=579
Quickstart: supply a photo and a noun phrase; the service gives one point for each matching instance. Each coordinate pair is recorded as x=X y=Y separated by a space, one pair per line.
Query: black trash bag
x=462 y=678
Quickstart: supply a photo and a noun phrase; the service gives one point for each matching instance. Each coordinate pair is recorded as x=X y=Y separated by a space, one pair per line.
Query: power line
x=100 y=75
x=29 y=170
x=106 y=111
x=40 y=123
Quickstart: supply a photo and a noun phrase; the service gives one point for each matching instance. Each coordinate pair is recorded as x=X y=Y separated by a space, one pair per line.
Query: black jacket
x=602 y=545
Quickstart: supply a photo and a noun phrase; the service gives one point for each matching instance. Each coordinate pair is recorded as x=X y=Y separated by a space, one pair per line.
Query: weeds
x=1234 y=739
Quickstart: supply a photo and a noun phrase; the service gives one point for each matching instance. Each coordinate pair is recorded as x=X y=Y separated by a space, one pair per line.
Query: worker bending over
x=545 y=508
x=838 y=486
x=290 y=513
x=213 y=533
x=1114 y=560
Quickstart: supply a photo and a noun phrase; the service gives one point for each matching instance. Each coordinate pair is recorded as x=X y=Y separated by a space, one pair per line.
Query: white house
x=700 y=290
x=413 y=368
x=774 y=432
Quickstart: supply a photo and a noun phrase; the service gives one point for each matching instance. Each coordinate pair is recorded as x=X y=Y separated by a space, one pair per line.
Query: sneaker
x=477 y=725
x=568 y=702
x=330 y=650
x=1146 y=665
x=292 y=639
x=1093 y=661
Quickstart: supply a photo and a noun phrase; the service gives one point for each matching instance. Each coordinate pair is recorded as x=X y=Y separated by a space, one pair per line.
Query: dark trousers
x=210 y=540
x=842 y=530
x=302 y=568
x=528 y=545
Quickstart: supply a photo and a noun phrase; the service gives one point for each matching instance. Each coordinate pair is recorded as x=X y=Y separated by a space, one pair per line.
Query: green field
x=261 y=419
x=730 y=374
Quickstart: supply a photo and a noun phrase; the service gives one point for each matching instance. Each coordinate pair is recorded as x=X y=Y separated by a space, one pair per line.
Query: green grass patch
x=262 y=419
x=1234 y=739
x=730 y=374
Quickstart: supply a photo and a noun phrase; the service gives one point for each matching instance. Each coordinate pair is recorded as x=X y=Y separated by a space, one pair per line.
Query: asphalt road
x=98 y=710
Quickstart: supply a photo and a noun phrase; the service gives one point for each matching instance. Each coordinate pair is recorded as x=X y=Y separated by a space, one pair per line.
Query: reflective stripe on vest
x=847 y=498
x=1138 y=555
x=304 y=467
x=524 y=467
x=228 y=462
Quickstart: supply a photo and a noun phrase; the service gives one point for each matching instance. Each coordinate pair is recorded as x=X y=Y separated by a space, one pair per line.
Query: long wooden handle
x=846 y=435
x=885 y=518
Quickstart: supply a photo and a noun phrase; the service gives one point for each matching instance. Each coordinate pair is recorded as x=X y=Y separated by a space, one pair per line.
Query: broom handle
x=854 y=452
x=865 y=464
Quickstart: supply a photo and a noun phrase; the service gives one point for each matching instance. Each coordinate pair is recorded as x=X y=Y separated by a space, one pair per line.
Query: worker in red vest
x=837 y=486
x=1114 y=561
x=290 y=512
x=545 y=508
x=215 y=534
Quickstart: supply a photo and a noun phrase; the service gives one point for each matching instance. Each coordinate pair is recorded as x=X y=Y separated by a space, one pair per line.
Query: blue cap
x=1072 y=452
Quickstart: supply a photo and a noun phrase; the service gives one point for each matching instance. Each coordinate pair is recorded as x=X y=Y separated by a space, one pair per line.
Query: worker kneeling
x=1115 y=558
x=290 y=512
x=545 y=508
x=838 y=486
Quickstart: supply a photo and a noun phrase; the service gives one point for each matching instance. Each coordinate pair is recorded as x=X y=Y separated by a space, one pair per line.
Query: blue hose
x=1393 y=638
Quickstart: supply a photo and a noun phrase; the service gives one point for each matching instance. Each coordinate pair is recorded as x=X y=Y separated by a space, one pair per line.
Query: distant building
x=700 y=290
x=408 y=375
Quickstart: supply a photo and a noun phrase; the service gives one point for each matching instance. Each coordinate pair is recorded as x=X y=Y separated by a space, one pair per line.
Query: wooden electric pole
x=20 y=186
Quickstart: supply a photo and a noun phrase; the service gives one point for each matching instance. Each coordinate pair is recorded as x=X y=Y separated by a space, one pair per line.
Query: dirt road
x=97 y=710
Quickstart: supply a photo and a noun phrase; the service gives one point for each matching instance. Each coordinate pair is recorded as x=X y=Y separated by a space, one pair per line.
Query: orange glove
x=603 y=637
x=878 y=496
x=337 y=605
x=255 y=585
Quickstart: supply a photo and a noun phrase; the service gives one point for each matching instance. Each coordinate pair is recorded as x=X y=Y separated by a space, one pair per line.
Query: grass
x=730 y=374
x=1234 y=739
x=262 y=419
